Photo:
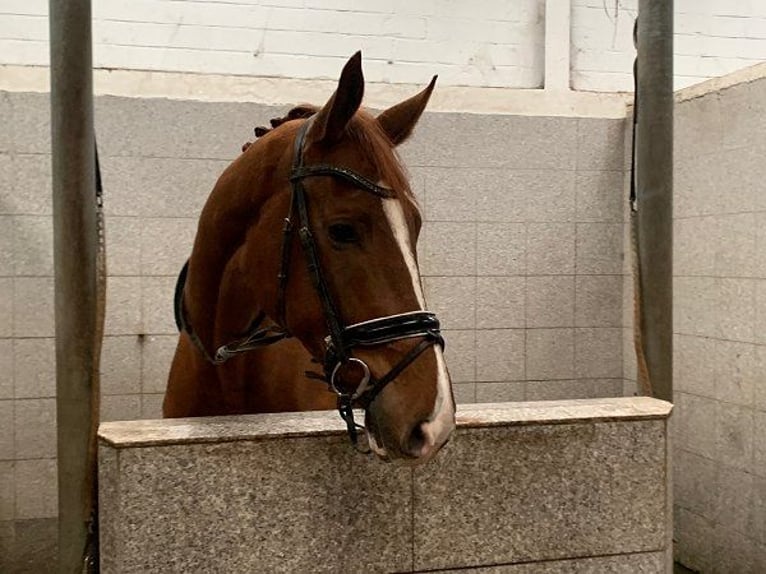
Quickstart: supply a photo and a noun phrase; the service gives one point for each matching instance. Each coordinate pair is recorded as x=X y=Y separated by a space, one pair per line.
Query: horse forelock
x=369 y=138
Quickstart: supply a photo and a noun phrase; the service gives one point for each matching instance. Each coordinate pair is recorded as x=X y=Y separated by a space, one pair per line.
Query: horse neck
x=240 y=191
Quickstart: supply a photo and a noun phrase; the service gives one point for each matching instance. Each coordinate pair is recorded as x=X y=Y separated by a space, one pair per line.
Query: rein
x=341 y=339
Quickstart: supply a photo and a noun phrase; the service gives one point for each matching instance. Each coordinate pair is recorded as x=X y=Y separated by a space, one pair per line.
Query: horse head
x=321 y=227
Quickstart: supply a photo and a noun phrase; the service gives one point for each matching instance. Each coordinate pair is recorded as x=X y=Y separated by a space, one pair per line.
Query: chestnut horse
x=305 y=258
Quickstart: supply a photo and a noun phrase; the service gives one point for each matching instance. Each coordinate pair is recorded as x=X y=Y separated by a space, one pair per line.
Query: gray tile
x=6 y=307
x=693 y=537
x=35 y=428
x=734 y=427
x=598 y=300
x=733 y=492
x=743 y=108
x=7 y=492
x=34 y=368
x=30 y=122
x=460 y=355
x=121 y=365
x=550 y=301
x=500 y=302
x=607 y=388
x=33 y=245
x=629 y=359
x=32 y=192
x=158 y=187
x=34 y=545
x=166 y=244
x=567 y=389
x=759 y=443
x=695 y=367
x=734 y=238
x=123 y=245
x=450 y=249
x=599 y=248
x=550 y=195
x=550 y=354
x=157 y=305
x=6 y=368
x=737 y=372
x=162 y=128
x=501 y=195
x=732 y=552
x=151 y=405
x=6 y=108
x=465 y=393
x=500 y=249
x=157 y=355
x=598 y=352
x=550 y=249
x=696 y=423
x=760 y=312
x=7 y=449
x=321 y=527
x=500 y=355
x=475 y=514
x=734 y=309
x=6 y=245
x=500 y=392
x=694 y=479
x=33 y=307
x=695 y=300
x=697 y=184
x=692 y=253
x=740 y=192
x=453 y=299
x=600 y=196
x=760 y=389
x=756 y=527
x=36 y=489
x=528 y=142
x=123 y=305
x=120 y=407
x=629 y=388
x=600 y=144
x=698 y=128
x=760 y=245
x=451 y=194
x=7 y=200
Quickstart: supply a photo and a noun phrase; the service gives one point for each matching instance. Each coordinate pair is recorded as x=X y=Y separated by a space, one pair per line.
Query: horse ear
x=399 y=120
x=332 y=119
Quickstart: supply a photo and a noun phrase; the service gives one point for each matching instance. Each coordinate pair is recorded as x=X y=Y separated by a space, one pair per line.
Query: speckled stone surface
x=518 y=483
x=123 y=434
x=644 y=563
x=536 y=492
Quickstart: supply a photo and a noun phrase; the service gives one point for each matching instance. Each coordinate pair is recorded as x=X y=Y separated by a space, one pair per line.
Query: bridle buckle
x=361 y=388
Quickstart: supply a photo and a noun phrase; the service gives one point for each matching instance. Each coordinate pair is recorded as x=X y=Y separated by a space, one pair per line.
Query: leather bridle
x=341 y=339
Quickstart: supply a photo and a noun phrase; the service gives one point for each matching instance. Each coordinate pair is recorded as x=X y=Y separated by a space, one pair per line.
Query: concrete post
x=75 y=236
x=654 y=165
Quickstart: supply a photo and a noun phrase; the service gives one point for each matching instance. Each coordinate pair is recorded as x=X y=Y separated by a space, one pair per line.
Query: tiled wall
x=521 y=257
x=720 y=330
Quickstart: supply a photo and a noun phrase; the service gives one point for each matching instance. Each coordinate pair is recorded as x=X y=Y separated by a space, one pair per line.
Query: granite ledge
x=128 y=434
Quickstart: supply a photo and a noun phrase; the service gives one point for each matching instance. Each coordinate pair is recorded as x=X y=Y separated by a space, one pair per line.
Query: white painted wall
x=499 y=43
x=487 y=43
x=712 y=38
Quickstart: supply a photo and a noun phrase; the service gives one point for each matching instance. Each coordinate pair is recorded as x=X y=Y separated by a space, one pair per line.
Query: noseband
x=341 y=339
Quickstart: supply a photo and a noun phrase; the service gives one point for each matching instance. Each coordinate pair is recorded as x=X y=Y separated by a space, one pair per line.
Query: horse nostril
x=417 y=443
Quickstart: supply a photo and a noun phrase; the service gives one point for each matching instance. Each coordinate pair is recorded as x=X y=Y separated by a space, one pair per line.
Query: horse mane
x=370 y=138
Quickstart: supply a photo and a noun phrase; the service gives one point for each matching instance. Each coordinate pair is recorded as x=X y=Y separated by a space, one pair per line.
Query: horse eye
x=343 y=233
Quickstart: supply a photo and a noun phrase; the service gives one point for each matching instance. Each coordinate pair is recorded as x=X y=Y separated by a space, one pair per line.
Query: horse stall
x=563 y=486
x=522 y=176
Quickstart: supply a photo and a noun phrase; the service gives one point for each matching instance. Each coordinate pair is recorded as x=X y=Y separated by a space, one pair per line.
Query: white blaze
x=442 y=420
